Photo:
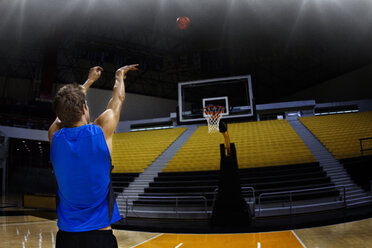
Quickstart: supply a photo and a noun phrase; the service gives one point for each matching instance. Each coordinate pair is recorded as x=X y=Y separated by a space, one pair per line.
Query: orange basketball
x=182 y=22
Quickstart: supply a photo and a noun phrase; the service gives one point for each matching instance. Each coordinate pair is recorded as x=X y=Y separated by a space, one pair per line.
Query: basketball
x=182 y=22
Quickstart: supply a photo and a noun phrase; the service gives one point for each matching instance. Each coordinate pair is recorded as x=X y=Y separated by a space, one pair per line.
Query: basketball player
x=81 y=157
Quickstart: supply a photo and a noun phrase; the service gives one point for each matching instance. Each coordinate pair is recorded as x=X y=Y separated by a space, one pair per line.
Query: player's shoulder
x=107 y=115
x=107 y=121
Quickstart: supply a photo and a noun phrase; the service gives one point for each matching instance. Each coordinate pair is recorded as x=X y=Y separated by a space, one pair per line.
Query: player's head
x=70 y=105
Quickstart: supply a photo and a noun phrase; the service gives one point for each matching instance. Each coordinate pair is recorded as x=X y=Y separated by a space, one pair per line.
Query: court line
x=178 y=245
x=299 y=240
x=147 y=240
x=26 y=223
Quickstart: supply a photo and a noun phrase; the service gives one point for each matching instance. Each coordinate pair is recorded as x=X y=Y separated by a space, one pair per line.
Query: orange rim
x=214 y=110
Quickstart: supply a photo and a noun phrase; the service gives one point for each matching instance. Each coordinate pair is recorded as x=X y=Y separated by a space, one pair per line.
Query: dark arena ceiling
x=286 y=45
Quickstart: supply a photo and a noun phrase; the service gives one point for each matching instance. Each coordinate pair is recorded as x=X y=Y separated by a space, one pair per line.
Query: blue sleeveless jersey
x=82 y=162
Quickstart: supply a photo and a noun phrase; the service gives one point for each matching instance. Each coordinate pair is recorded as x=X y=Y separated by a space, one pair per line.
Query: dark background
x=286 y=45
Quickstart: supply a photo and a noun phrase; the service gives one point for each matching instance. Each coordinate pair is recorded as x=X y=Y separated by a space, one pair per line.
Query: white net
x=213 y=115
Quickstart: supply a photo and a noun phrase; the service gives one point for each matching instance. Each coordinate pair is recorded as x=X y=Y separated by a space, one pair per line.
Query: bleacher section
x=272 y=158
x=122 y=180
x=259 y=144
x=263 y=179
x=340 y=133
x=135 y=151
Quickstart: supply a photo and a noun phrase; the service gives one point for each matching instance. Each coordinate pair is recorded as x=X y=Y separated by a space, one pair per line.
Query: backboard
x=233 y=93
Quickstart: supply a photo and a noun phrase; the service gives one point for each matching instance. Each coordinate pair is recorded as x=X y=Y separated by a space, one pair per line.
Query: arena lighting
x=337 y=112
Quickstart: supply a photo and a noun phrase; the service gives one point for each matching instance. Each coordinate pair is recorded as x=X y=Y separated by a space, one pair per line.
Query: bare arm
x=109 y=119
x=94 y=74
x=56 y=125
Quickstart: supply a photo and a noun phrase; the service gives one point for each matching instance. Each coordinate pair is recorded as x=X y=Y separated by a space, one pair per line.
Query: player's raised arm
x=109 y=119
x=94 y=74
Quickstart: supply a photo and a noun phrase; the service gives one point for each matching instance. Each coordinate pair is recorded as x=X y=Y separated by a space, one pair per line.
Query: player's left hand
x=95 y=73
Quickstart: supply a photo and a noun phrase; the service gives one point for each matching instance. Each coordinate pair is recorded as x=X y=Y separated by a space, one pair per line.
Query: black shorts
x=91 y=239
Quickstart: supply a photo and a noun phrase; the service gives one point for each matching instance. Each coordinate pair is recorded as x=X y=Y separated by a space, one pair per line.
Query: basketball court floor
x=31 y=231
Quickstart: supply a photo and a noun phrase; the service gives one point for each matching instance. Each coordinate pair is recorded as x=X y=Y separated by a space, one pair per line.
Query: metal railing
x=361 y=145
x=165 y=199
x=290 y=193
x=177 y=199
x=245 y=189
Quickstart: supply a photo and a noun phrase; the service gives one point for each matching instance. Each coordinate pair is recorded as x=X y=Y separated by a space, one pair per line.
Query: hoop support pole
x=227 y=144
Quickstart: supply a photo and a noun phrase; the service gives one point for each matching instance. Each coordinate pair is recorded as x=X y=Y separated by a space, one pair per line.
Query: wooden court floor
x=30 y=231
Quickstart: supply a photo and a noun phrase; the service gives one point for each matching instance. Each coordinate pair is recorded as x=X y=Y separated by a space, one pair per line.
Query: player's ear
x=85 y=107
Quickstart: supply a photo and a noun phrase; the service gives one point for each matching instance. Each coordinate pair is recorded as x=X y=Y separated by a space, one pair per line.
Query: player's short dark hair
x=68 y=104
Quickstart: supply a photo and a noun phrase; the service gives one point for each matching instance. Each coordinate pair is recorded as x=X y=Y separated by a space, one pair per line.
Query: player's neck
x=80 y=123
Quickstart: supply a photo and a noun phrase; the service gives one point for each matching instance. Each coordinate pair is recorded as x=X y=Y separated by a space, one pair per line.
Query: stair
x=355 y=196
x=128 y=195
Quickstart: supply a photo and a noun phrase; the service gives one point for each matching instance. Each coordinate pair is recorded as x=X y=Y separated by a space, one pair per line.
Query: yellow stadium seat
x=264 y=143
x=340 y=133
x=135 y=151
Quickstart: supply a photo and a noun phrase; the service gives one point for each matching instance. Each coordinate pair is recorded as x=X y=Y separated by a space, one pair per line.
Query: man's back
x=82 y=162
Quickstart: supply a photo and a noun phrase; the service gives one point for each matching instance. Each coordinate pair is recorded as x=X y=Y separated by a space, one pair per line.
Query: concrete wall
x=135 y=107
x=351 y=86
x=24 y=133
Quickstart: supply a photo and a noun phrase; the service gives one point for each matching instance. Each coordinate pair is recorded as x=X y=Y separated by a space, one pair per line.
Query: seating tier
x=258 y=144
x=133 y=152
x=340 y=133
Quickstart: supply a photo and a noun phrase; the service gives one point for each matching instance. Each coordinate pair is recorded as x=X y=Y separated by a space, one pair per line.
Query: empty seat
x=134 y=151
x=263 y=143
x=340 y=133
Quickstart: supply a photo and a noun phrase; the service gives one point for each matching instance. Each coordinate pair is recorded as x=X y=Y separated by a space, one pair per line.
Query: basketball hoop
x=213 y=115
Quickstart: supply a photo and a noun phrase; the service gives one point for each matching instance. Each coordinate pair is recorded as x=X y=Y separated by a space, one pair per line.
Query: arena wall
x=135 y=107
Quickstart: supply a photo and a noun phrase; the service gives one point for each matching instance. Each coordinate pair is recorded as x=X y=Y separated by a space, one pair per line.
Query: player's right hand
x=123 y=70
